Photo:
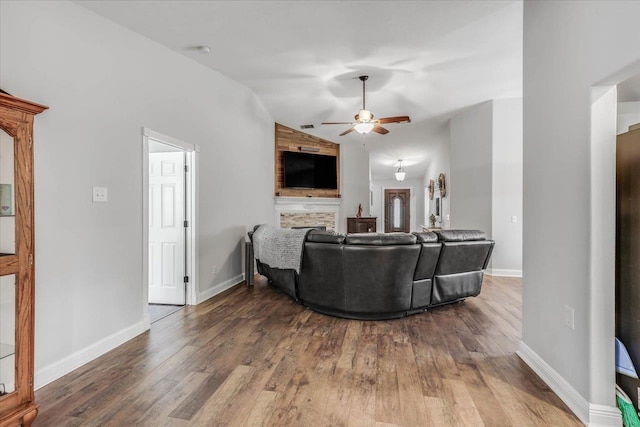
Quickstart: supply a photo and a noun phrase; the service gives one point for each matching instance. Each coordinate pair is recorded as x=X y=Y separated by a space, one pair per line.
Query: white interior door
x=167 y=228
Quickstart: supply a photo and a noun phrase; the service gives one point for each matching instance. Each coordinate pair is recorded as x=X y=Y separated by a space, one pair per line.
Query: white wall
x=506 y=196
x=354 y=178
x=103 y=83
x=628 y=114
x=568 y=48
x=438 y=161
x=486 y=178
x=471 y=169
x=416 y=208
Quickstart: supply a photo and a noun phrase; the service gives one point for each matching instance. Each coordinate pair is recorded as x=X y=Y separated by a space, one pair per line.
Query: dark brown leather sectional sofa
x=384 y=276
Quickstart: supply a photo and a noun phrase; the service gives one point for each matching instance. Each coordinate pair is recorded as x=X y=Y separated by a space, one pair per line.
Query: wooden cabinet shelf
x=361 y=225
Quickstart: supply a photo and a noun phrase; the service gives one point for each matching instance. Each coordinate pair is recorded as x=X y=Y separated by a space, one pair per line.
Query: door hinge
x=30 y=141
x=30 y=381
x=30 y=259
x=186 y=224
x=186 y=168
x=186 y=279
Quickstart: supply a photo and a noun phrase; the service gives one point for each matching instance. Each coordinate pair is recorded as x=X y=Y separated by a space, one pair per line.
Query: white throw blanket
x=279 y=247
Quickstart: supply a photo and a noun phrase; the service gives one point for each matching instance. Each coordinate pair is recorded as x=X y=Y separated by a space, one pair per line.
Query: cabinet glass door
x=7 y=195
x=7 y=333
x=7 y=261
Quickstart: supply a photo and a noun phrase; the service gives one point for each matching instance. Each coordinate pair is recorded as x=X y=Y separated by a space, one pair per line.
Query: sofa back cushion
x=460 y=235
x=321 y=280
x=378 y=279
x=461 y=257
x=426 y=266
x=325 y=237
x=380 y=239
x=426 y=237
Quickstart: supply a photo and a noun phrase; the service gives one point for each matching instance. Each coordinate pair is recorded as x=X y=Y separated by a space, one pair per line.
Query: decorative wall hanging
x=432 y=187
x=441 y=185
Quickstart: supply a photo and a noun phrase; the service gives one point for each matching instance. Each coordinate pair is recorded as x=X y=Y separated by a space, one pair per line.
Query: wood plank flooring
x=253 y=357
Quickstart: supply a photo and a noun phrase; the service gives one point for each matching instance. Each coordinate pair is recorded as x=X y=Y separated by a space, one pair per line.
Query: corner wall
x=506 y=194
x=471 y=169
x=103 y=83
x=354 y=161
x=569 y=47
x=438 y=161
x=486 y=178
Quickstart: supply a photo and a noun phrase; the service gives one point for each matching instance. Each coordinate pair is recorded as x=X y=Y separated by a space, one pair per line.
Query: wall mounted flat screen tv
x=304 y=170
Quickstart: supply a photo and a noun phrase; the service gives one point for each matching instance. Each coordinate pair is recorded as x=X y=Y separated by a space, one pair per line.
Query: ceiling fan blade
x=379 y=129
x=396 y=119
x=347 y=131
x=335 y=123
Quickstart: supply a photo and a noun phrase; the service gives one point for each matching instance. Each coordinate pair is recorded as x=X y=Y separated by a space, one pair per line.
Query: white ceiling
x=425 y=59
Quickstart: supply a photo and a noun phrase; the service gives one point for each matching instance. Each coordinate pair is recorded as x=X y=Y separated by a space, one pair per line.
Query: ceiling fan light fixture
x=400 y=173
x=365 y=116
x=364 y=128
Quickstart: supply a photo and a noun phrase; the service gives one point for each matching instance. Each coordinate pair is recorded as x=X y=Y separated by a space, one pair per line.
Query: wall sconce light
x=400 y=174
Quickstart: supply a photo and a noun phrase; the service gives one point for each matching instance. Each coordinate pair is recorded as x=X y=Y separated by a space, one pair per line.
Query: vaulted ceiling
x=426 y=59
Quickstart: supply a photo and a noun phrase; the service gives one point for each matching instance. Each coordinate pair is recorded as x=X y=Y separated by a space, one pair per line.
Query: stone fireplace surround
x=308 y=211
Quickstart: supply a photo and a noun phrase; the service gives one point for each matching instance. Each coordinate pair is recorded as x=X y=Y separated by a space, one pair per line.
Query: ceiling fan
x=365 y=122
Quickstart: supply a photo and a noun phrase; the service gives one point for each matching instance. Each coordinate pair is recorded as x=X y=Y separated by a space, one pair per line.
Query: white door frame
x=192 y=192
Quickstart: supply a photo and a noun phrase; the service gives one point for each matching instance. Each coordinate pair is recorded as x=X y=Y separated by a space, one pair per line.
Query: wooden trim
x=16 y=118
x=21 y=104
x=287 y=139
x=8 y=265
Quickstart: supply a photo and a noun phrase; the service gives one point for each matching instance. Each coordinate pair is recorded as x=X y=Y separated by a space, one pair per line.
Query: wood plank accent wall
x=287 y=139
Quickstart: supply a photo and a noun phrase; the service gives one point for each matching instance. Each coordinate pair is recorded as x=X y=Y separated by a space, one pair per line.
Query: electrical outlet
x=215 y=270
x=569 y=317
x=100 y=194
x=514 y=219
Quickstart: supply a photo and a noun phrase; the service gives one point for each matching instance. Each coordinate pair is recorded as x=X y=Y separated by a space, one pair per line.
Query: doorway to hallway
x=169 y=185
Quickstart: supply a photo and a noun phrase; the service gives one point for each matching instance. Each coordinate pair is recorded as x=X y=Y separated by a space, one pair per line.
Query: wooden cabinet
x=628 y=254
x=361 y=225
x=17 y=405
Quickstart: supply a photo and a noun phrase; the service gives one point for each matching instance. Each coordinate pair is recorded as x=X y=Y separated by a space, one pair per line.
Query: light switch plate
x=514 y=219
x=100 y=194
x=569 y=317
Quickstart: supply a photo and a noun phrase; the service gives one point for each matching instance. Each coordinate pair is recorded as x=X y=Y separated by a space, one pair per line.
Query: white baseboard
x=58 y=369
x=591 y=414
x=503 y=272
x=605 y=416
x=220 y=287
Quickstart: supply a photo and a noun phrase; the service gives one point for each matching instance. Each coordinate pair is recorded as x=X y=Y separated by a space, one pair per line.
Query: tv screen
x=304 y=170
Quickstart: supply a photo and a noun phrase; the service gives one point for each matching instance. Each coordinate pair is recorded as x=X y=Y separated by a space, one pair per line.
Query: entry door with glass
x=396 y=202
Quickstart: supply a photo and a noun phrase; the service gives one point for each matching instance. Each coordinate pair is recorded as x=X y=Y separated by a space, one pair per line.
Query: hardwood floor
x=253 y=357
